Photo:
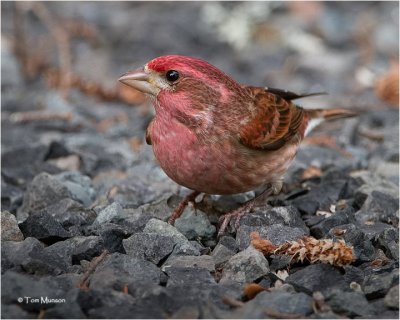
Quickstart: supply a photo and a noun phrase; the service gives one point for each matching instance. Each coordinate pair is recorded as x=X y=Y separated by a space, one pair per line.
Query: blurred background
x=63 y=109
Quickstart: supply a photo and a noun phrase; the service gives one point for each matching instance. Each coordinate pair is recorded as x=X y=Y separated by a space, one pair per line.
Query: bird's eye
x=172 y=75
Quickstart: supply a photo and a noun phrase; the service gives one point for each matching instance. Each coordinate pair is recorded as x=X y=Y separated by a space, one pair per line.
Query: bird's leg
x=224 y=220
x=179 y=209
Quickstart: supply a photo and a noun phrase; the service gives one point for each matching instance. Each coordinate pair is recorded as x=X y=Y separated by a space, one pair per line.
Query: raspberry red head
x=188 y=67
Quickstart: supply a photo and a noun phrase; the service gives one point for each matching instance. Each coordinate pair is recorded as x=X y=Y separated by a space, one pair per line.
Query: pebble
x=245 y=267
x=392 y=298
x=194 y=224
x=44 y=227
x=149 y=246
x=9 y=228
x=318 y=277
x=204 y=262
x=110 y=212
x=267 y=304
x=351 y=304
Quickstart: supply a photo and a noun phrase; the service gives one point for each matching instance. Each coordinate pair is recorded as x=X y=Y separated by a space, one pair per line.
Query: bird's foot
x=181 y=207
x=238 y=213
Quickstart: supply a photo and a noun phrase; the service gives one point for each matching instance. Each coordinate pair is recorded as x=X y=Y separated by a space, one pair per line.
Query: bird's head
x=179 y=80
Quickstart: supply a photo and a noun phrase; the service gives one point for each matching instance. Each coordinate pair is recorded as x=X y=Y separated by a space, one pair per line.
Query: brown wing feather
x=275 y=122
x=148 y=132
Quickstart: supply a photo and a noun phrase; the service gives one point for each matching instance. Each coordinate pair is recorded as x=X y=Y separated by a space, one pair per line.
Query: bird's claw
x=224 y=220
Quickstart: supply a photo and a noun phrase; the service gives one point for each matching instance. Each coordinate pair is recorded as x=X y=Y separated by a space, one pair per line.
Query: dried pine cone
x=308 y=248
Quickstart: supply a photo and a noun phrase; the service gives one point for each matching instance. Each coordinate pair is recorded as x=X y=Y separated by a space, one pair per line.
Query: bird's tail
x=317 y=116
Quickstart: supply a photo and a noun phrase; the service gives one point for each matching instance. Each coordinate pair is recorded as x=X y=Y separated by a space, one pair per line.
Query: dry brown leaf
x=311 y=172
x=387 y=86
x=252 y=289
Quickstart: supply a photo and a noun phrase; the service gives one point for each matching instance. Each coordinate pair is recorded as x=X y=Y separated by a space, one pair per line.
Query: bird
x=214 y=135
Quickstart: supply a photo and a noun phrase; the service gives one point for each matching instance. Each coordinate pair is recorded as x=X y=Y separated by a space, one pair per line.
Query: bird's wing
x=289 y=95
x=274 y=122
x=148 y=132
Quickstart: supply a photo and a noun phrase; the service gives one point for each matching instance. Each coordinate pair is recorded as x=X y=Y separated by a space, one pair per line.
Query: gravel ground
x=84 y=203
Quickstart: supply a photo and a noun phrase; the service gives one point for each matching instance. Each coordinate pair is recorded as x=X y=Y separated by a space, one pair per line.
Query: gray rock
x=119 y=270
x=354 y=236
x=64 y=256
x=203 y=262
x=229 y=242
x=388 y=239
x=11 y=196
x=134 y=220
x=221 y=254
x=320 y=197
x=9 y=228
x=189 y=276
x=113 y=235
x=111 y=304
x=373 y=183
x=392 y=298
x=53 y=261
x=277 y=234
x=296 y=304
x=69 y=310
x=44 y=227
x=318 y=277
x=12 y=311
x=79 y=186
x=164 y=229
x=379 y=206
x=149 y=246
x=69 y=213
x=14 y=253
x=22 y=163
x=267 y=216
x=351 y=304
x=110 y=212
x=245 y=266
x=44 y=190
x=321 y=229
x=194 y=224
x=85 y=248
x=161 y=208
x=185 y=249
x=182 y=244
x=14 y=285
x=377 y=285
x=382 y=311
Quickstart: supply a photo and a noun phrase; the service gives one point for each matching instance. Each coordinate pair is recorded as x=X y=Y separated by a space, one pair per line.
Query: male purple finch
x=216 y=136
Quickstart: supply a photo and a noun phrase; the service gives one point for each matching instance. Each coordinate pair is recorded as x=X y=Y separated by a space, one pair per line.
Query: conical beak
x=140 y=80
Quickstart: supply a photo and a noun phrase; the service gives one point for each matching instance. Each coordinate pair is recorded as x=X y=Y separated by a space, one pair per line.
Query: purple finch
x=214 y=135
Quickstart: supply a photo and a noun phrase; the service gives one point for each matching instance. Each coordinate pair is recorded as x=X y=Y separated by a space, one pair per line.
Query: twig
x=41 y=313
x=84 y=283
x=31 y=116
x=371 y=134
x=62 y=41
x=327 y=141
